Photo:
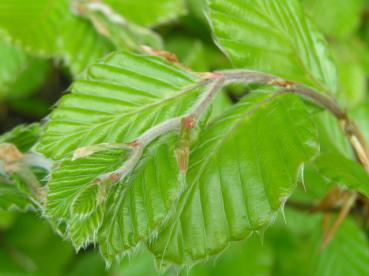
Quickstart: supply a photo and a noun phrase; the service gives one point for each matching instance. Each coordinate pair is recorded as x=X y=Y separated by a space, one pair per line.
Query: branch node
x=188 y=122
x=282 y=83
x=134 y=144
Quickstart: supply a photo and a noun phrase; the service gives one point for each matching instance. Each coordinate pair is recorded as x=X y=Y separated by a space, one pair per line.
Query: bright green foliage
x=147 y=12
x=331 y=137
x=81 y=45
x=11 y=198
x=11 y=194
x=343 y=171
x=336 y=18
x=33 y=25
x=19 y=73
x=234 y=189
x=141 y=203
x=115 y=101
x=75 y=202
x=275 y=37
x=23 y=136
x=145 y=151
x=123 y=33
x=116 y=216
x=346 y=254
x=361 y=114
x=352 y=76
x=13 y=61
x=53 y=28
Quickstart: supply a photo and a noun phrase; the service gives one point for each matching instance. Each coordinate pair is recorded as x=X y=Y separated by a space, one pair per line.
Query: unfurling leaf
x=239 y=176
x=115 y=101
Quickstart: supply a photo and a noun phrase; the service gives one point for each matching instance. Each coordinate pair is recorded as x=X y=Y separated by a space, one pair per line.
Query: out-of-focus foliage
x=46 y=45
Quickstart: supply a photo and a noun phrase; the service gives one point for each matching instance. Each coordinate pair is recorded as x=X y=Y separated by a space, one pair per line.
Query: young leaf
x=115 y=101
x=20 y=74
x=33 y=25
x=336 y=18
x=117 y=216
x=346 y=254
x=273 y=36
x=239 y=176
x=123 y=33
x=142 y=202
x=361 y=115
x=13 y=61
x=22 y=136
x=75 y=195
x=339 y=169
x=11 y=198
x=147 y=12
x=71 y=183
x=81 y=45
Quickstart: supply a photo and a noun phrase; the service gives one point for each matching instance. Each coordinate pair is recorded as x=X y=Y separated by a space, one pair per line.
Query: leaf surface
x=33 y=25
x=273 y=36
x=346 y=254
x=22 y=136
x=239 y=176
x=115 y=101
x=336 y=18
x=12 y=199
x=115 y=216
x=147 y=12
x=341 y=170
x=81 y=45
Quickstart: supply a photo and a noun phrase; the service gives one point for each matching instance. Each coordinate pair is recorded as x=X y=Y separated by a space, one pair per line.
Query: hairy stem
x=349 y=127
x=188 y=120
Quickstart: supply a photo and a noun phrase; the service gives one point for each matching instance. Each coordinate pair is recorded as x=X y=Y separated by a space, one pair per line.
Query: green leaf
x=20 y=74
x=352 y=74
x=123 y=33
x=12 y=199
x=331 y=136
x=13 y=61
x=33 y=25
x=141 y=203
x=273 y=36
x=336 y=18
x=73 y=181
x=361 y=116
x=339 y=169
x=239 y=176
x=81 y=45
x=115 y=216
x=346 y=254
x=147 y=12
x=115 y=101
x=23 y=136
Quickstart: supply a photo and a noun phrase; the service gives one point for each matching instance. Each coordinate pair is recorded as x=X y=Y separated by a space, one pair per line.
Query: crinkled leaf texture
x=273 y=36
x=242 y=170
x=116 y=216
x=115 y=101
